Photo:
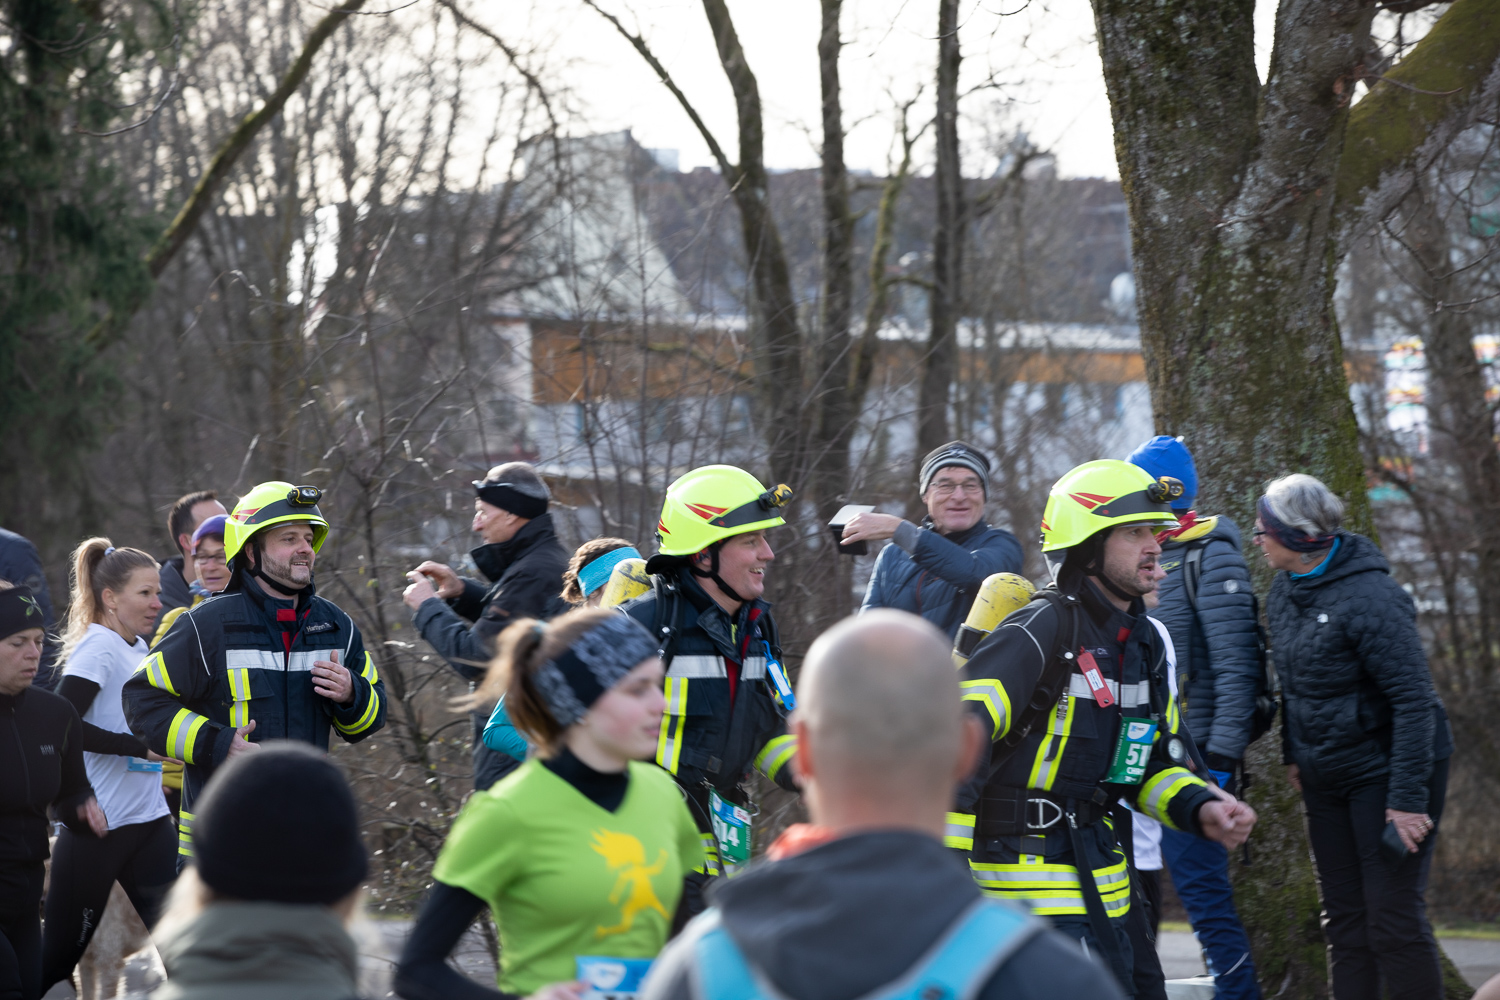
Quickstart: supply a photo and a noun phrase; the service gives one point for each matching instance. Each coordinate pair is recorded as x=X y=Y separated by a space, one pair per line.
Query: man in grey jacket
x=1208 y=606
x=935 y=569
x=858 y=899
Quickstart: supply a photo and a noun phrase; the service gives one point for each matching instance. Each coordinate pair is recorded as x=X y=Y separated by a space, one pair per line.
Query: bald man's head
x=879 y=697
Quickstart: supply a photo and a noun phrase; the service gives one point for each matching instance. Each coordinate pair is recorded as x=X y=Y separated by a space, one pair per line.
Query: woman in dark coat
x=1365 y=738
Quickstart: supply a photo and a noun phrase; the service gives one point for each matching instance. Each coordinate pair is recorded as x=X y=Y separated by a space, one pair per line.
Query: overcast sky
x=1042 y=55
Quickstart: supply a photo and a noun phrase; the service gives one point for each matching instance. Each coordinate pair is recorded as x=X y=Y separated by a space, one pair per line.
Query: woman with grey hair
x=1365 y=738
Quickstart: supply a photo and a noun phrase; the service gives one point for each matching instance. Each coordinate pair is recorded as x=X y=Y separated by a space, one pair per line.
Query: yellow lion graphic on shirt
x=624 y=852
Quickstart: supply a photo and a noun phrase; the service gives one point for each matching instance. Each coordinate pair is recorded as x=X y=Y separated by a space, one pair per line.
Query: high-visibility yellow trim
x=669 y=743
x=185 y=833
x=710 y=865
x=156 y=674
x=991 y=694
x=1053 y=889
x=775 y=754
x=958 y=831
x=183 y=733
x=368 y=671
x=239 y=691
x=1158 y=791
x=365 y=721
x=1049 y=755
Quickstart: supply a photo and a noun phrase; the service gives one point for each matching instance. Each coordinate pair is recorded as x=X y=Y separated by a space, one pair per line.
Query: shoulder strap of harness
x=668 y=617
x=1061 y=660
x=957 y=966
x=1192 y=574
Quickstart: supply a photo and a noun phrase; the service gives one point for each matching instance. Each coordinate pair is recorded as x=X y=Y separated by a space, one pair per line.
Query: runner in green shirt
x=581 y=852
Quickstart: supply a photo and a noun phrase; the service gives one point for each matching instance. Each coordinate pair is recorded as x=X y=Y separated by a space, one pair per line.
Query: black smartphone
x=1392 y=850
x=844 y=516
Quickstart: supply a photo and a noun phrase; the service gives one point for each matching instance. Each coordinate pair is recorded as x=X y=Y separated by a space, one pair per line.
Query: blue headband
x=594 y=575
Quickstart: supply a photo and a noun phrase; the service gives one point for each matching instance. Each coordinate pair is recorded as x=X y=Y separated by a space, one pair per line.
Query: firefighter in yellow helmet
x=1073 y=693
x=727 y=694
x=266 y=659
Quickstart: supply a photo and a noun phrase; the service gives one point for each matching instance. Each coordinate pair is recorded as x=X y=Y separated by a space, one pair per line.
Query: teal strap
x=723 y=973
x=956 y=968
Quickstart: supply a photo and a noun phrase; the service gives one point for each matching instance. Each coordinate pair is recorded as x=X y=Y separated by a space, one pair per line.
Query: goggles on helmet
x=772 y=499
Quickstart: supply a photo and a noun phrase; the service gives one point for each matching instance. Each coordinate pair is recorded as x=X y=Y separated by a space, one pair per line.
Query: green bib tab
x=1132 y=752
x=731 y=829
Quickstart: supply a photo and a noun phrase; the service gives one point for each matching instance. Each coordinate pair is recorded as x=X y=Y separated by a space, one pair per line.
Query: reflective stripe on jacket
x=1069 y=751
x=703 y=736
x=223 y=665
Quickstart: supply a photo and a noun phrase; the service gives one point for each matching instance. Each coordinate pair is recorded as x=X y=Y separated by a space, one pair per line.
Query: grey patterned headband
x=571 y=683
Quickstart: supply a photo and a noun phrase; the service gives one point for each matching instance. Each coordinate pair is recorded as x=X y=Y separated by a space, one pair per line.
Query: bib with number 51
x=1132 y=752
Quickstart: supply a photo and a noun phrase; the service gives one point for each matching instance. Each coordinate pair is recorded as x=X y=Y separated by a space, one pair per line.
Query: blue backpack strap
x=722 y=972
x=956 y=967
x=964 y=959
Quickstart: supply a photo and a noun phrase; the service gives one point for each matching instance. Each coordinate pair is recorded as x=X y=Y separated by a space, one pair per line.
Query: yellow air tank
x=999 y=595
x=627 y=580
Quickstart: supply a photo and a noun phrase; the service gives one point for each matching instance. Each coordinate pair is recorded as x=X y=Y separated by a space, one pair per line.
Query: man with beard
x=1073 y=692
x=266 y=659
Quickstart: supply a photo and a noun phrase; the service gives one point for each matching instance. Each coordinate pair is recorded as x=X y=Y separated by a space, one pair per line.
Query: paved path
x=380 y=941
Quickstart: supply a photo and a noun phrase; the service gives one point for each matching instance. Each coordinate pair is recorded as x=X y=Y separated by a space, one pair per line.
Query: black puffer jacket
x=1359 y=701
x=525 y=576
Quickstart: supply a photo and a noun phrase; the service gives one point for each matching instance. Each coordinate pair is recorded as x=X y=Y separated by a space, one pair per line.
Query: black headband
x=19 y=611
x=1288 y=536
x=507 y=497
x=597 y=660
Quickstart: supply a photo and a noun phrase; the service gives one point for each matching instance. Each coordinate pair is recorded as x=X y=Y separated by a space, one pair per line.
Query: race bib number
x=611 y=978
x=1132 y=752
x=731 y=829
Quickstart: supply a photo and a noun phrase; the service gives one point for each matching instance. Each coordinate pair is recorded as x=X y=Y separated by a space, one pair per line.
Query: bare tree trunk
x=944 y=300
x=778 y=355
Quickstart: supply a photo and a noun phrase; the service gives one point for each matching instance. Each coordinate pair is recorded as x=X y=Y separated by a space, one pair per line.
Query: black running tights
x=142 y=857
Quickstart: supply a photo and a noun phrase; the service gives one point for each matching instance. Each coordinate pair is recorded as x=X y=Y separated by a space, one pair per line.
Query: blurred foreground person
x=262 y=913
x=41 y=766
x=267 y=657
x=1366 y=739
x=583 y=586
x=523 y=562
x=114 y=603
x=866 y=897
x=180 y=582
x=934 y=569
x=580 y=853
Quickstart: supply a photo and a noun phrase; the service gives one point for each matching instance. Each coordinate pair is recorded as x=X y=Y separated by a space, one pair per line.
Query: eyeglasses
x=217 y=557
x=946 y=489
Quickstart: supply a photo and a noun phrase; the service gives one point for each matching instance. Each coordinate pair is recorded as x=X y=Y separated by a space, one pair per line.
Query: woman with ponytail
x=114 y=603
x=580 y=852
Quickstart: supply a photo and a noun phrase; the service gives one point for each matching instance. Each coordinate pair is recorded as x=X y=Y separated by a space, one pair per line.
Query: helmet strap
x=253 y=568
x=1091 y=562
x=713 y=573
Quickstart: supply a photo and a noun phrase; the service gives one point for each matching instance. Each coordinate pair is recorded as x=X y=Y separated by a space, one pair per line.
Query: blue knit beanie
x=1168 y=456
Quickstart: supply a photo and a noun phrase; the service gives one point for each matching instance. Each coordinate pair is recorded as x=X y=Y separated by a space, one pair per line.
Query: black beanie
x=279 y=824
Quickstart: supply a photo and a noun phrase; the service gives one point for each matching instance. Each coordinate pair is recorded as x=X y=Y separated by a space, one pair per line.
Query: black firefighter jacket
x=1068 y=753
x=704 y=736
x=1359 y=701
x=230 y=661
